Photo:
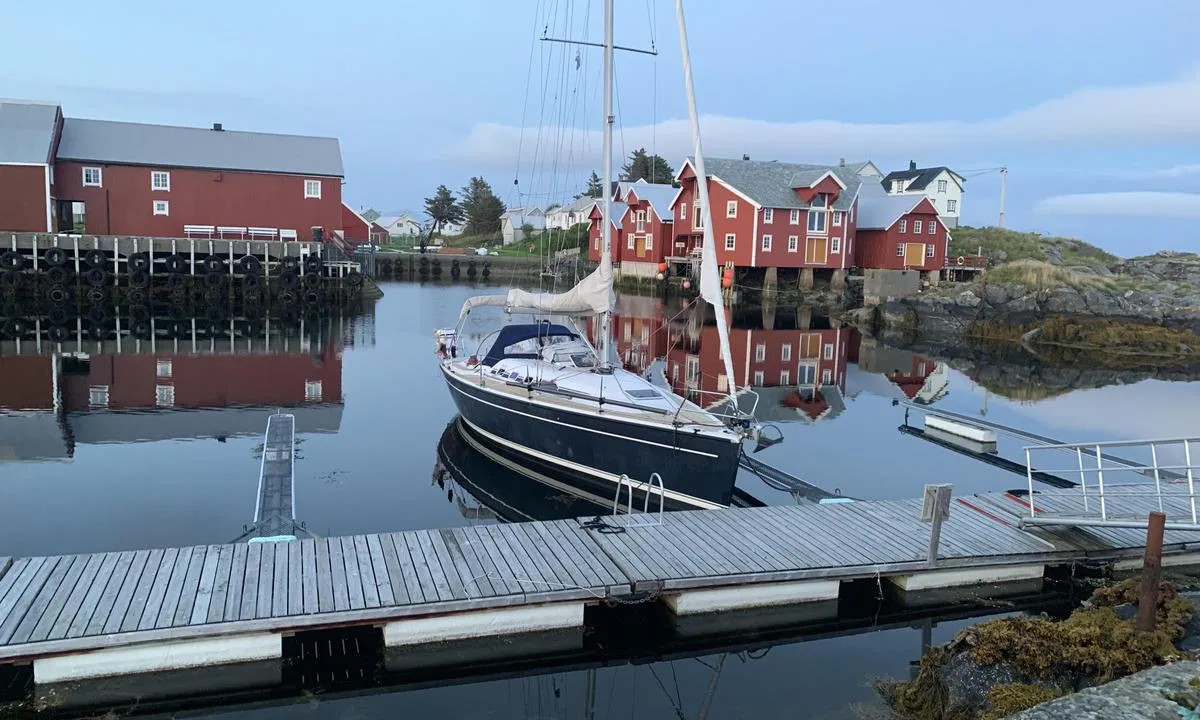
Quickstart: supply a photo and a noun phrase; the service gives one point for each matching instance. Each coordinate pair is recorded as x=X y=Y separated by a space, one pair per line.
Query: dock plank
x=74 y=602
x=337 y=566
x=190 y=587
x=324 y=576
x=421 y=570
x=204 y=586
x=21 y=595
x=174 y=592
x=119 y=614
x=9 y=580
x=424 y=545
x=266 y=581
x=295 y=590
x=493 y=561
x=309 y=578
x=158 y=590
x=460 y=547
x=366 y=571
x=714 y=553
x=524 y=569
x=43 y=611
x=735 y=555
x=383 y=574
x=536 y=545
x=141 y=593
x=108 y=573
x=282 y=585
x=222 y=584
x=247 y=606
x=395 y=574
x=446 y=563
x=354 y=579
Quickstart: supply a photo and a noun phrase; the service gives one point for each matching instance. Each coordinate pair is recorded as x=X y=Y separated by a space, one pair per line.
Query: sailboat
x=541 y=391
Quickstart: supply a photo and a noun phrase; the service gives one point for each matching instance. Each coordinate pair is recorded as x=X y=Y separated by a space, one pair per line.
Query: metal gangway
x=1157 y=475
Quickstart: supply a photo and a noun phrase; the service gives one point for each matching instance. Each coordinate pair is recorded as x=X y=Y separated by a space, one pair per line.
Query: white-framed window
x=162 y=207
x=683 y=211
x=163 y=369
x=766 y=243
x=731 y=209
x=897 y=186
x=929 y=250
x=828 y=351
x=933 y=227
x=627 y=331
x=92 y=177
x=899 y=249
x=917 y=227
x=730 y=241
x=951 y=206
x=837 y=218
x=649 y=243
x=806 y=374
x=794 y=217
x=313 y=392
x=835 y=245
x=160 y=180
x=785 y=352
x=641 y=220
x=164 y=395
x=312 y=189
x=630 y=242
x=785 y=377
x=645 y=334
x=817 y=213
x=793 y=243
x=768 y=215
x=98 y=396
x=697 y=217
x=693 y=368
x=51 y=174
x=942 y=186
x=920 y=369
x=903 y=226
x=758 y=378
x=826 y=376
x=760 y=352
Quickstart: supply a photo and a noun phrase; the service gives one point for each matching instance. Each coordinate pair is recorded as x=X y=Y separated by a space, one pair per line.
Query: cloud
x=1154 y=114
x=1171 y=173
x=1129 y=204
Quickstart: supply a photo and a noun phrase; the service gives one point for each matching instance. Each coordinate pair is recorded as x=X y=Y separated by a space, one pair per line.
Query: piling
x=1151 y=571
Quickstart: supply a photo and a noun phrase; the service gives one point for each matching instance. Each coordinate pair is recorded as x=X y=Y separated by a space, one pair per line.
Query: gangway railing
x=1151 y=475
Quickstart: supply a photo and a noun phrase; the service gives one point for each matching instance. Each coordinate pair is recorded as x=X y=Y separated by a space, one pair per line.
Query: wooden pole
x=1151 y=572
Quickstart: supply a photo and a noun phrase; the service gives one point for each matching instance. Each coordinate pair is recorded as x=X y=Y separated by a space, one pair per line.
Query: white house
x=941 y=185
x=863 y=169
x=516 y=218
x=563 y=217
x=401 y=223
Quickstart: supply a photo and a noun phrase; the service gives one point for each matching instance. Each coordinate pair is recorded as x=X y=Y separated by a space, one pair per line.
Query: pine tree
x=651 y=168
x=442 y=209
x=595 y=188
x=482 y=208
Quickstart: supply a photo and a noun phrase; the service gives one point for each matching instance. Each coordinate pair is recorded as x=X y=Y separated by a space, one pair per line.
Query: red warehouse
x=119 y=178
x=771 y=215
x=617 y=211
x=646 y=228
x=900 y=232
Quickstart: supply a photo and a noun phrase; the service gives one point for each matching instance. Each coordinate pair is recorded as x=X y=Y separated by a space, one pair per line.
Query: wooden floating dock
x=79 y=617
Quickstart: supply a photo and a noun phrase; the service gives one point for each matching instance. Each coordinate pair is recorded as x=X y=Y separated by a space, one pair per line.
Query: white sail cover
x=592 y=294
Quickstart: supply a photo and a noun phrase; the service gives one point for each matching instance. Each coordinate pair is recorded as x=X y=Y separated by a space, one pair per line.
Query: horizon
x=1100 y=146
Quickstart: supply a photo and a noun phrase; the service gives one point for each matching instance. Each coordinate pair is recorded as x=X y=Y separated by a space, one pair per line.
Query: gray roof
x=877 y=210
x=26 y=131
x=616 y=210
x=921 y=177
x=772 y=184
x=659 y=196
x=581 y=204
x=170 y=146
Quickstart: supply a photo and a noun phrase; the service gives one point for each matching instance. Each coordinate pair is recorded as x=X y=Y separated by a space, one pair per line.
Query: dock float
x=94 y=617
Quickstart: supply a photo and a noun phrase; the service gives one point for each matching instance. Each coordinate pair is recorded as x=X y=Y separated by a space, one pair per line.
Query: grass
x=967 y=240
x=1114 y=343
x=1039 y=276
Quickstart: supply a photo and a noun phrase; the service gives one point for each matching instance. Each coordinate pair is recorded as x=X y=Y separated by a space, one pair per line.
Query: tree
x=651 y=168
x=481 y=207
x=595 y=188
x=442 y=209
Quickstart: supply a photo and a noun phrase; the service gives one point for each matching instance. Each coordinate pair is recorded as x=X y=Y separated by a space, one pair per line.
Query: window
x=693 y=368
x=160 y=180
x=785 y=377
x=312 y=189
x=760 y=352
x=51 y=174
x=835 y=245
x=920 y=368
x=649 y=243
x=951 y=206
x=806 y=374
x=313 y=391
x=793 y=243
x=98 y=396
x=817 y=213
x=683 y=211
x=758 y=378
x=92 y=177
x=899 y=249
x=164 y=395
x=826 y=376
x=785 y=352
x=641 y=220
x=932 y=227
x=929 y=250
x=837 y=218
x=794 y=217
x=917 y=227
x=941 y=186
x=769 y=215
x=645 y=334
x=897 y=186
x=730 y=241
x=629 y=242
x=828 y=351
x=903 y=226
x=163 y=368
x=697 y=217
x=627 y=331
x=162 y=207
x=766 y=243
x=731 y=209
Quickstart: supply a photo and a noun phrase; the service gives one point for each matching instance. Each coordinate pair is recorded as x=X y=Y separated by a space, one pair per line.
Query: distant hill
x=1001 y=245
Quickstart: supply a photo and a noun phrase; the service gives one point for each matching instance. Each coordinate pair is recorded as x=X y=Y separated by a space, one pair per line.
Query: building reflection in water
x=56 y=395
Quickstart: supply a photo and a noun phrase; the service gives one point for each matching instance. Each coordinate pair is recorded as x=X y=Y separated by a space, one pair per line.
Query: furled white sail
x=592 y=294
x=710 y=280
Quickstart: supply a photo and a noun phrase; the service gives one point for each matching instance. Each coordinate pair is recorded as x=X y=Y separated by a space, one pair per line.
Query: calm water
x=114 y=470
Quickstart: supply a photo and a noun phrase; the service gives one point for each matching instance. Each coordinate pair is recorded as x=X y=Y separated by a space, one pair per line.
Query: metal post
x=1187 y=460
x=1151 y=572
x=1029 y=478
x=1157 y=484
x=1100 y=482
x=1082 y=477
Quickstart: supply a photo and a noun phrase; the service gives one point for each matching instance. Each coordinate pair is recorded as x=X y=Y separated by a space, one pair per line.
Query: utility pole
x=1003 y=183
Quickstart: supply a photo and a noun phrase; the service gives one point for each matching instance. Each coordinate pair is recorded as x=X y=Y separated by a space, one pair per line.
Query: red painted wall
x=23 y=198
x=877 y=248
x=596 y=237
x=742 y=227
x=354 y=228
x=26 y=382
x=124 y=205
x=653 y=225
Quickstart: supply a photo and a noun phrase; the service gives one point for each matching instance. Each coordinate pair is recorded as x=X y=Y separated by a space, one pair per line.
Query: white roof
x=877 y=210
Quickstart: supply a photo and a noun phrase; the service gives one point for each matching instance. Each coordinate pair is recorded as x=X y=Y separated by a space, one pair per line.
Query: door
x=816 y=251
x=641 y=247
x=914 y=254
x=810 y=345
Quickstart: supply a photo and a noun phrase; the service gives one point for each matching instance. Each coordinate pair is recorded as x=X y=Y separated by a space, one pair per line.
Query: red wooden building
x=118 y=178
x=596 y=231
x=357 y=230
x=899 y=232
x=646 y=228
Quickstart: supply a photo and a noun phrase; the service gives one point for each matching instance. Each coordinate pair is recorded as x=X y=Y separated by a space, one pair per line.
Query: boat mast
x=606 y=196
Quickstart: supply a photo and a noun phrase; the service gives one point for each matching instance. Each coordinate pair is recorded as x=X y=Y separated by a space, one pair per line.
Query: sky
x=1093 y=105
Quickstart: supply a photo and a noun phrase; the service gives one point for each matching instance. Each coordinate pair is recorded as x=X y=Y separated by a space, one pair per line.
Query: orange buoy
x=727 y=282
x=662 y=267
